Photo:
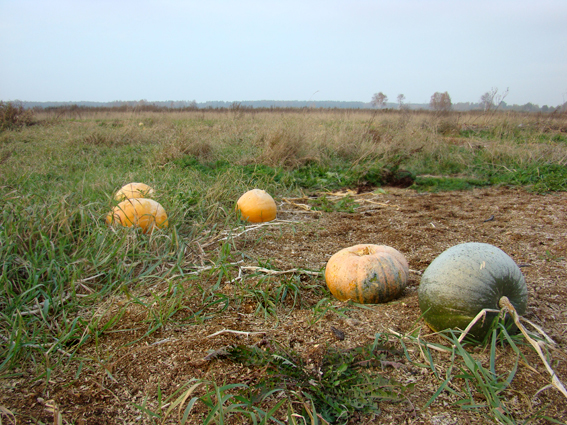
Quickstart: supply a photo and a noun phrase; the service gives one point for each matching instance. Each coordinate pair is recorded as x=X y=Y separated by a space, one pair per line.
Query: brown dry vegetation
x=294 y=138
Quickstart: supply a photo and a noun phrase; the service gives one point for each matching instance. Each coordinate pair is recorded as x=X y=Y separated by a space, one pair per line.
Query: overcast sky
x=346 y=50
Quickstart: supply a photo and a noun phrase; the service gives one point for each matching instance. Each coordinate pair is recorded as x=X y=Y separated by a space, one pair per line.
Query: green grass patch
x=346 y=204
x=543 y=178
x=441 y=184
x=313 y=176
x=540 y=178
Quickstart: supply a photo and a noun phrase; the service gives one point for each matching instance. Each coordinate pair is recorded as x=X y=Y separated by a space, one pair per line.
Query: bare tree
x=441 y=102
x=491 y=100
x=379 y=100
x=486 y=101
x=401 y=99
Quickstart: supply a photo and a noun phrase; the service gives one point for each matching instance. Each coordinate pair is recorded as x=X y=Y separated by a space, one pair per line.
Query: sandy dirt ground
x=530 y=228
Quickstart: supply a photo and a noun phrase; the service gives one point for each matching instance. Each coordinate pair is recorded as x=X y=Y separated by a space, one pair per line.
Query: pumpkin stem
x=363 y=251
x=505 y=304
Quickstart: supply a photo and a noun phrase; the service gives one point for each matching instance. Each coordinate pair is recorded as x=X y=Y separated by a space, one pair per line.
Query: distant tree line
x=440 y=101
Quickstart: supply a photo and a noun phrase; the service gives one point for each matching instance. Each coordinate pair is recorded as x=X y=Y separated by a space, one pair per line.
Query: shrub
x=13 y=116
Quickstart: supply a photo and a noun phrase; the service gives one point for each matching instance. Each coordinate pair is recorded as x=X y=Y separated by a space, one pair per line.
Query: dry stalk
x=202 y=254
x=361 y=200
x=86 y=288
x=380 y=203
x=237 y=278
x=200 y=270
x=42 y=346
x=106 y=389
x=252 y=228
x=481 y=314
x=234 y=332
x=421 y=342
x=8 y=414
x=507 y=306
x=53 y=408
x=540 y=330
x=301 y=206
x=277 y=272
x=40 y=306
x=306 y=212
x=303 y=198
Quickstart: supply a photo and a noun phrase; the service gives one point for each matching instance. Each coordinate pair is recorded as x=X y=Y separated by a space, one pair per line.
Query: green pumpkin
x=465 y=279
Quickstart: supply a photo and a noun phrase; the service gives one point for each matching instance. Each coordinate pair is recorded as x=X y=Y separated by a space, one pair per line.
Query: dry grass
x=293 y=139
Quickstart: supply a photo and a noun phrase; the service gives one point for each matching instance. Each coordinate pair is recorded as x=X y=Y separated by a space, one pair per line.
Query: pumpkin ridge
x=400 y=282
x=366 y=273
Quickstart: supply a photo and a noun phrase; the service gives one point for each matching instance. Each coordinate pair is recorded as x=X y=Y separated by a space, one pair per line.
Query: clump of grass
x=282 y=148
x=175 y=147
x=219 y=404
x=346 y=204
x=447 y=126
x=336 y=385
x=114 y=138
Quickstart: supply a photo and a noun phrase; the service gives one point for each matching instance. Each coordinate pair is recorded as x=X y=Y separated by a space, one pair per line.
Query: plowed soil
x=114 y=376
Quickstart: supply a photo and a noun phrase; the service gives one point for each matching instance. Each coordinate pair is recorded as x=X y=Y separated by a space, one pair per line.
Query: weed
x=346 y=204
x=337 y=385
x=550 y=256
x=323 y=306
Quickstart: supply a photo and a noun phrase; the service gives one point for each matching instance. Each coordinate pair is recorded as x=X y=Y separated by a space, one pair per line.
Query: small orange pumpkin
x=257 y=206
x=138 y=212
x=134 y=190
x=367 y=274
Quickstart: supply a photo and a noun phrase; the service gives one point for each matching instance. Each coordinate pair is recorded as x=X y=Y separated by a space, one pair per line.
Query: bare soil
x=114 y=376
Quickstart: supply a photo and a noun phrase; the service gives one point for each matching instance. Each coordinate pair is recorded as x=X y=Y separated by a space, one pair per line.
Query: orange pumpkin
x=134 y=190
x=138 y=212
x=367 y=274
x=257 y=206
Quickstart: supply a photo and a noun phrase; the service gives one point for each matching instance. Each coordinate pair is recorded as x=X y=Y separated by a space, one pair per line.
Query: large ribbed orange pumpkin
x=367 y=274
x=257 y=206
x=134 y=190
x=138 y=212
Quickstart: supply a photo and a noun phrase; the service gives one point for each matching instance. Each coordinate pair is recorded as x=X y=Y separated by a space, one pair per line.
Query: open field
x=214 y=321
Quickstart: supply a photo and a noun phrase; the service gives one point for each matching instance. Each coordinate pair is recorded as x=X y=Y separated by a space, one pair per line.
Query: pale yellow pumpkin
x=146 y=214
x=257 y=206
x=134 y=190
x=367 y=274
